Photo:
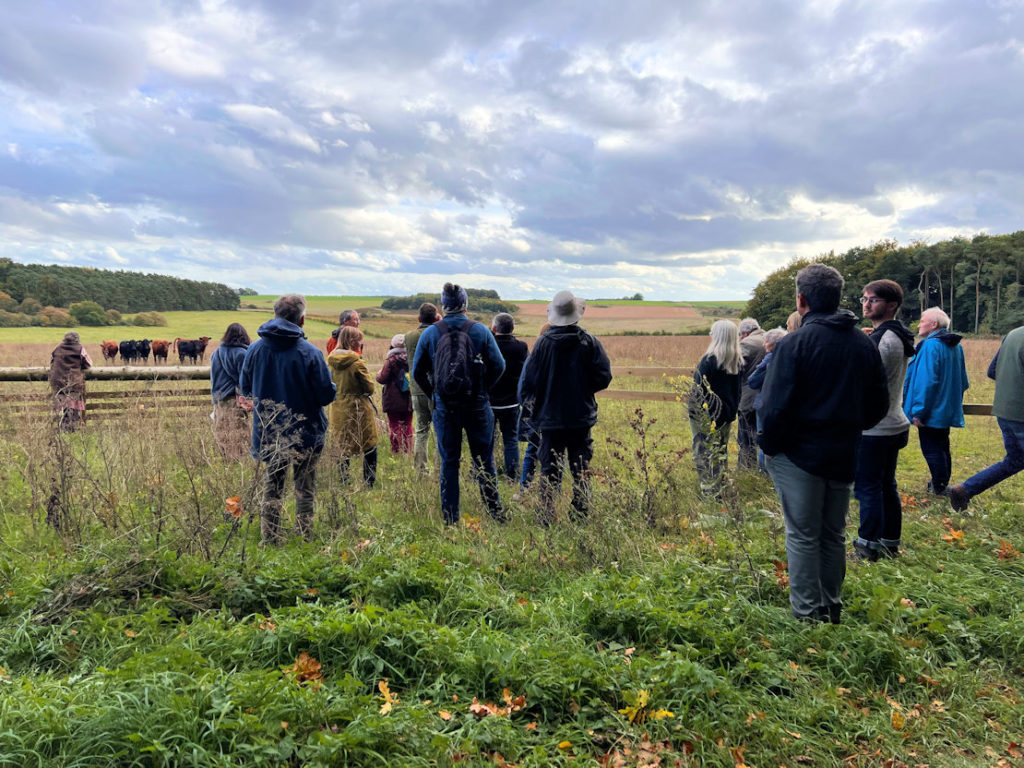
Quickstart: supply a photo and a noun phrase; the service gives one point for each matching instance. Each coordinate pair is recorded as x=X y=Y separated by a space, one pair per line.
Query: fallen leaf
x=130 y=632
x=531 y=726
x=565 y=745
x=284 y=725
x=387 y=697
x=233 y=506
x=897 y=720
x=906 y=603
x=306 y=669
x=445 y=715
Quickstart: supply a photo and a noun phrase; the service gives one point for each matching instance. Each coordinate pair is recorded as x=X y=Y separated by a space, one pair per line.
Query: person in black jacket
x=504 y=394
x=567 y=366
x=824 y=387
x=713 y=404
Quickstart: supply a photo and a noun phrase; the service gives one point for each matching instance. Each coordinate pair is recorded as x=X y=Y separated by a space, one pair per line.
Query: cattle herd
x=138 y=350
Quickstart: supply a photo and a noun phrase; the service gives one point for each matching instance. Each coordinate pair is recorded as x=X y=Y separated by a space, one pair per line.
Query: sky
x=683 y=150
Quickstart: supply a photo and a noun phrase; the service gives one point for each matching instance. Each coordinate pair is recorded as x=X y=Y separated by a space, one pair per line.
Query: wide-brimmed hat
x=565 y=309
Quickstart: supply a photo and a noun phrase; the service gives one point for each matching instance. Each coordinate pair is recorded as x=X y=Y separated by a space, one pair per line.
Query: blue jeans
x=477 y=421
x=881 y=514
x=815 y=512
x=508 y=422
x=531 y=437
x=1012 y=463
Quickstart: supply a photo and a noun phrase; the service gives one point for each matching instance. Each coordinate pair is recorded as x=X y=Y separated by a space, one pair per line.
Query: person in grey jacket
x=881 y=513
x=752 y=351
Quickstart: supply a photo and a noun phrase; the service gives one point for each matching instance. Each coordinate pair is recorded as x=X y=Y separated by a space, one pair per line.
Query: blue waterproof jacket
x=936 y=381
x=483 y=344
x=288 y=379
x=225 y=371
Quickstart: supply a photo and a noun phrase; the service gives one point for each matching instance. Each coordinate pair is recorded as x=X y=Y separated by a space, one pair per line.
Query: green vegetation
x=977 y=282
x=148 y=629
x=480 y=300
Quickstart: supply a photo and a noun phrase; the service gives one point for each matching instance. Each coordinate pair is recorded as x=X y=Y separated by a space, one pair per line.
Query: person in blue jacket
x=230 y=410
x=288 y=380
x=933 y=393
x=469 y=412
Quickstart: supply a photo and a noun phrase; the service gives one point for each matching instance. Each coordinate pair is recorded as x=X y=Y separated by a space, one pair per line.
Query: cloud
x=386 y=147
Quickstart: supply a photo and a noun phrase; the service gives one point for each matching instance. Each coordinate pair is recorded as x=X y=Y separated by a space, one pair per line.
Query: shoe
x=959 y=499
x=864 y=552
x=498 y=515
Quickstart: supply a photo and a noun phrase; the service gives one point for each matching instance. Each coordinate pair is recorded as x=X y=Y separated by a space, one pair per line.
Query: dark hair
x=236 y=336
x=889 y=290
x=428 y=313
x=349 y=337
x=290 y=307
x=345 y=316
x=821 y=286
x=503 y=323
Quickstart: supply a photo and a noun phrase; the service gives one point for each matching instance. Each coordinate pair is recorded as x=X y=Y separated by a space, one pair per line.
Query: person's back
x=933 y=391
x=567 y=367
x=1008 y=402
x=505 y=391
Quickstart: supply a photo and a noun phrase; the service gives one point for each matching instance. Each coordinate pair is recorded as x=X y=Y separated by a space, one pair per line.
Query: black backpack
x=454 y=363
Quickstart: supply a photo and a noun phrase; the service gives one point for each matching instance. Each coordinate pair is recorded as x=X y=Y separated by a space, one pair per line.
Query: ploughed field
x=148 y=628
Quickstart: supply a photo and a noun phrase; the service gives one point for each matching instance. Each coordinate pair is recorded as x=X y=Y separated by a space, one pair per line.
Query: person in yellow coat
x=352 y=422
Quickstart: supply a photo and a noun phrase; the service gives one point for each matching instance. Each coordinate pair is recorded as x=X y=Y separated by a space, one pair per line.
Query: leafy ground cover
x=147 y=628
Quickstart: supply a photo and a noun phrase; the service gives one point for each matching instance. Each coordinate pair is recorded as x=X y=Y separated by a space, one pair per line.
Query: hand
x=917 y=422
x=243 y=402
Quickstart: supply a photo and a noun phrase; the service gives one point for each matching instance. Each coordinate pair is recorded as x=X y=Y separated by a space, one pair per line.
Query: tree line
x=480 y=300
x=976 y=281
x=60 y=286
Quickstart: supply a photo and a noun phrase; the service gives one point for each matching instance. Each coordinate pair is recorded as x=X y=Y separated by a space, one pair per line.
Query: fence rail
x=189 y=395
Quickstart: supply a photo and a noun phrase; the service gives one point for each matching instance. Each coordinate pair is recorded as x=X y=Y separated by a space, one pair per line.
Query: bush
x=55 y=317
x=14 y=320
x=30 y=306
x=88 y=313
x=7 y=304
x=113 y=317
x=150 y=319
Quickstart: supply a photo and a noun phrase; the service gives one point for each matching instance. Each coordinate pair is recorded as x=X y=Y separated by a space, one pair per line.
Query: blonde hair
x=350 y=337
x=725 y=346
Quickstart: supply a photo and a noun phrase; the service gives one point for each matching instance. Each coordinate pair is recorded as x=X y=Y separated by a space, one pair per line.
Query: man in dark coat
x=567 y=367
x=825 y=386
x=290 y=384
x=504 y=394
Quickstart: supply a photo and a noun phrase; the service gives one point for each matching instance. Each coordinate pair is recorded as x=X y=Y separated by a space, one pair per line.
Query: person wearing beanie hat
x=445 y=351
x=396 y=399
x=562 y=374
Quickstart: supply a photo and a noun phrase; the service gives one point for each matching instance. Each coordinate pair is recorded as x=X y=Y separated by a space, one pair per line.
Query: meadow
x=143 y=625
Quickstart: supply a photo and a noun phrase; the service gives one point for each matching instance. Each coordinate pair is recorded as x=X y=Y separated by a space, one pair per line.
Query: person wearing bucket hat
x=564 y=371
x=457 y=362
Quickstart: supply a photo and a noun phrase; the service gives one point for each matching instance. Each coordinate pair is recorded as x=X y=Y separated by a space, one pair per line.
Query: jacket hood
x=843 y=318
x=902 y=332
x=280 y=333
x=396 y=351
x=563 y=335
x=342 y=359
x=947 y=337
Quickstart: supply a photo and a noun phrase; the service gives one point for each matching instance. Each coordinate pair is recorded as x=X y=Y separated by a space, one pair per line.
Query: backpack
x=454 y=360
x=403 y=376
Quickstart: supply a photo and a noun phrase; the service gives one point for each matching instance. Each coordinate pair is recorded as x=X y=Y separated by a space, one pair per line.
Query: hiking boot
x=959 y=499
x=862 y=551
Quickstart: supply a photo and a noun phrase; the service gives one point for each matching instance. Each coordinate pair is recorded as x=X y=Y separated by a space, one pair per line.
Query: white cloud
x=272 y=124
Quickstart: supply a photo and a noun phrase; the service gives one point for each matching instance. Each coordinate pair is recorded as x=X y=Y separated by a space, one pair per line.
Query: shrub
x=150 y=319
x=55 y=317
x=88 y=313
x=113 y=317
x=7 y=304
x=14 y=320
x=30 y=306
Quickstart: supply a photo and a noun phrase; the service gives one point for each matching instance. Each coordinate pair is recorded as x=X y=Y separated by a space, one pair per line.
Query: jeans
x=304 y=471
x=531 y=437
x=423 y=410
x=577 y=446
x=369 y=468
x=507 y=420
x=935 y=449
x=881 y=514
x=711 y=455
x=815 y=512
x=746 y=436
x=1012 y=463
x=477 y=421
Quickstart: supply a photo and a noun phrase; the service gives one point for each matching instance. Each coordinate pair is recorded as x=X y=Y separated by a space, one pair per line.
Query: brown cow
x=110 y=350
x=160 y=349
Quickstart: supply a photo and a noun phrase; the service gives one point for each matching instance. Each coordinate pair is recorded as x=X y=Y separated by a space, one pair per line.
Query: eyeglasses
x=869 y=299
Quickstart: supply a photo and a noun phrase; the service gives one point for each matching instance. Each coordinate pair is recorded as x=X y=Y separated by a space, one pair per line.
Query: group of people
x=830 y=406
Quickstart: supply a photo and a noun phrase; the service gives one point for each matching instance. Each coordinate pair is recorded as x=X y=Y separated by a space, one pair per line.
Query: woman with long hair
x=352 y=418
x=68 y=361
x=231 y=428
x=714 y=399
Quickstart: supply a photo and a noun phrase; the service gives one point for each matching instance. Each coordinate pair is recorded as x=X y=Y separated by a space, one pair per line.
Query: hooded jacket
x=225 y=371
x=895 y=344
x=1007 y=368
x=393 y=400
x=936 y=381
x=561 y=375
x=824 y=387
x=352 y=419
x=493 y=364
x=752 y=349
x=505 y=391
x=67 y=363
x=288 y=379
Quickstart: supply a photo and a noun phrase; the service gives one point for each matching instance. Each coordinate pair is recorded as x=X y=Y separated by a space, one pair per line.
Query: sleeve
x=423 y=362
x=385 y=372
x=365 y=379
x=320 y=379
x=926 y=383
x=991 y=373
x=493 y=358
x=876 y=391
x=86 y=360
x=528 y=378
x=965 y=382
x=245 y=377
x=601 y=368
x=756 y=378
x=780 y=386
x=214 y=371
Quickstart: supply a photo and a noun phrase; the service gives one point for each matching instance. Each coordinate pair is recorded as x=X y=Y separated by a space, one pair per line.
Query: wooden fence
x=173 y=387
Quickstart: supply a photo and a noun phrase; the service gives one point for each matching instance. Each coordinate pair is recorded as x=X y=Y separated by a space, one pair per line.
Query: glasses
x=869 y=299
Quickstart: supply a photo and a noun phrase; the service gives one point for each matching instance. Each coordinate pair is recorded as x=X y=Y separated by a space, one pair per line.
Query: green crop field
x=143 y=625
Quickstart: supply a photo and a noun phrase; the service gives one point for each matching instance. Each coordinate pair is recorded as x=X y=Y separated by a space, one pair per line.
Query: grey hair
x=748 y=325
x=773 y=336
x=941 y=318
x=290 y=307
x=503 y=323
x=821 y=286
x=73 y=336
x=725 y=346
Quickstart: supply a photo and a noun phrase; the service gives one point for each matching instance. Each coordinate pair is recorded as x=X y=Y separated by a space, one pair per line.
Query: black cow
x=129 y=351
x=193 y=349
x=143 y=349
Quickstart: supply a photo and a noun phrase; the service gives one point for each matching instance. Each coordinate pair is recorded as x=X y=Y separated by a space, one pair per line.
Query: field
x=148 y=628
